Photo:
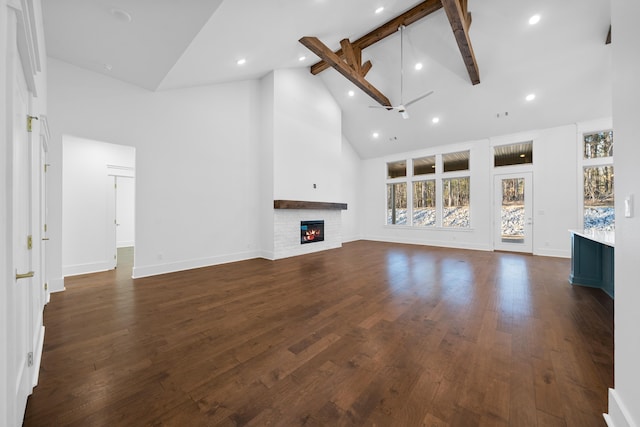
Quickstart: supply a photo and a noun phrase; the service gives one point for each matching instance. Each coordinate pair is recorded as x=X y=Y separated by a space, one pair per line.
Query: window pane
x=455 y=201
x=397 y=169
x=455 y=161
x=513 y=154
x=424 y=203
x=598 y=145
x=598 y=198
x=512 y=215
x=424 y=165
x=397 y=203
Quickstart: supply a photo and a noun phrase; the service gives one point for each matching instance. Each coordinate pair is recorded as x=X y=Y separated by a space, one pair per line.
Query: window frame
x=438 y=177
x=589 y=163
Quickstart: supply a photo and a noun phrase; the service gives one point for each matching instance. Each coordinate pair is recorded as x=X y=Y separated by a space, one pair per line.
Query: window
x=455 y=201
x=397 y=169
x=598 y=181
x=455 y=161
x=513 y=154
x=598 y=198
x=424 y=203
x=598 y=145
x=430 y=191
x=397 y=203
x=424 y=166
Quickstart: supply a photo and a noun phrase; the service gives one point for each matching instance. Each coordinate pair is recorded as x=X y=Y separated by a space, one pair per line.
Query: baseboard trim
x=436 y=243
x=56 y=285
x=173 y=267
x=618 y=415
x=78 y=269
x=37 y=358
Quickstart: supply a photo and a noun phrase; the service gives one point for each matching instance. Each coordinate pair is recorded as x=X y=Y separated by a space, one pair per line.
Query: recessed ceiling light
x=418 y=66
x=375 y=134
x=241 y=61
x=530 y=97
x=379 y=10
x=351 y=93
x=121 y=15
x=522 y=156
x=435 y=120
x=534 y=19
x=302 y=58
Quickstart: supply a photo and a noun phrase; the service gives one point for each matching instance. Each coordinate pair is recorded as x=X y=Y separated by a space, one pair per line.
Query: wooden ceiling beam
x=385 y=30
x=353 y=74
x=460 y=19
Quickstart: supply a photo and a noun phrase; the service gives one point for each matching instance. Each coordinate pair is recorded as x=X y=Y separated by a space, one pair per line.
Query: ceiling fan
x=402 y=107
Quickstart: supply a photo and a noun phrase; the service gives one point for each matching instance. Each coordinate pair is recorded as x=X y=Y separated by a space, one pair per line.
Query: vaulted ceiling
x=167 y=44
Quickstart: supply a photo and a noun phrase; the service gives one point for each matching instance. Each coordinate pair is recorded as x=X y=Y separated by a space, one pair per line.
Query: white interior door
x=43 y=221
x=125 y=211
x=21 y=291
x=111 y=249
x=513 y=224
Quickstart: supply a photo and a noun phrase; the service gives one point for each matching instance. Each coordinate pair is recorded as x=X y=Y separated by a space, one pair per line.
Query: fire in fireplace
x=311 y=231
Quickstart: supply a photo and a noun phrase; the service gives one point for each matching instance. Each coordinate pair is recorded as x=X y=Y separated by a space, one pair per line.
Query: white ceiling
x=172 y=44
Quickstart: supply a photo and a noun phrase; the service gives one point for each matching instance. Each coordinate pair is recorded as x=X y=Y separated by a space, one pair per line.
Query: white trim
x=618 y=415
x=96 y=267
x=116 y=170
x=436 y=243
x=27 y=39
x=56 y=285
x=37 y=357
x=172 y=267
x=45 y=131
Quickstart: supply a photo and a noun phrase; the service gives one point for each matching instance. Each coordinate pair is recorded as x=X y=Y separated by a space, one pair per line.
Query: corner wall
x=624 y=400
x=196 y=154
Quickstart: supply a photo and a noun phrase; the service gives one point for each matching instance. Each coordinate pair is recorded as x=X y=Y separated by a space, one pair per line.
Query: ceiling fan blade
x=386 y=107
x=418 y=98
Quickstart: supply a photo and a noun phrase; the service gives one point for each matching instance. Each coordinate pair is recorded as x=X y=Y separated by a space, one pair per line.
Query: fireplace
x=311 y=231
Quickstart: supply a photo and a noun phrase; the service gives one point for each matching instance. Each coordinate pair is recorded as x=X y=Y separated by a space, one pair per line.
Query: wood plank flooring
x=372 y=334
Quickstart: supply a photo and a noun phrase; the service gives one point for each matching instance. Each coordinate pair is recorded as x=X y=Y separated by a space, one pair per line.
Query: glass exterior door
x=513 y=213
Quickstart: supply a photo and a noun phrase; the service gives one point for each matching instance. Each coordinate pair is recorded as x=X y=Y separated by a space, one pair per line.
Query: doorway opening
x=98 y=204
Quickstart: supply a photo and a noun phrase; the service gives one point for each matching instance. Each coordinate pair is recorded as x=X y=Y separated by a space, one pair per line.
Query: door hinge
x=30 y=358
x=45 y=228
x=29 y=122
x=46 y=286
x=114 y=257
x=46 y=166
x=29 y=242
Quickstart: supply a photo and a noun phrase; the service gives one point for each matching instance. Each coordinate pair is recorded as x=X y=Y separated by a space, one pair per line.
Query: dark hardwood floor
x=372 y=334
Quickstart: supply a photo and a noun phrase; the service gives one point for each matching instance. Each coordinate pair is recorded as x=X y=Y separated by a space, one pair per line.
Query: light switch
x=628 y=206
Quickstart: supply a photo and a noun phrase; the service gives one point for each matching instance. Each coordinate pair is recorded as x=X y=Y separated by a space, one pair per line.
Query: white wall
x=307 y=133
x=196 y=160
x=351 y=192
x=86 y=222
x=5 y=231
x=265 y=167
x=373 y=213
x=555 y=197
x=624 y=401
